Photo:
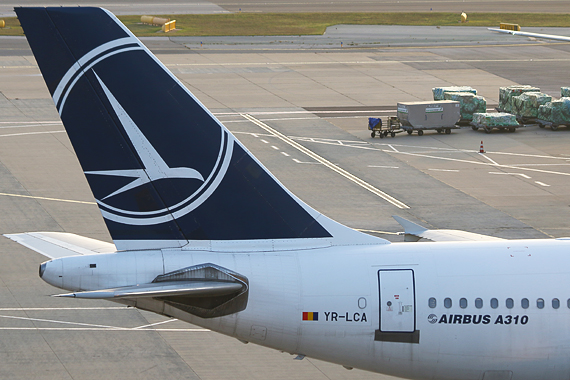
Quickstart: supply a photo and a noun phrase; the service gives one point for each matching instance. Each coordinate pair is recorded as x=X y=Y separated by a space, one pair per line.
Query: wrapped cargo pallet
x=526 y=105
x=438 y=92
x=564 y=92
x=468 y=103
x=507 y=93
x=556 y=112
x=494 y=120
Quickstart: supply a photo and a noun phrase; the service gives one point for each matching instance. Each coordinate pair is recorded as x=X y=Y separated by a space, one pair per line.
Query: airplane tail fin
x=164 y=171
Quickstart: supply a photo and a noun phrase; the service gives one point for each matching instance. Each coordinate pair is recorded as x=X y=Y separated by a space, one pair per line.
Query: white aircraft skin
x=332 y=280
x=296 y=281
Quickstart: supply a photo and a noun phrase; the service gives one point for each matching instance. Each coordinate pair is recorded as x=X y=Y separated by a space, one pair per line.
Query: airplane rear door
x=397 y=301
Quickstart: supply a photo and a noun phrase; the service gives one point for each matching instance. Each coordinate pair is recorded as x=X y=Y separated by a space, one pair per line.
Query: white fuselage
x=369 y=307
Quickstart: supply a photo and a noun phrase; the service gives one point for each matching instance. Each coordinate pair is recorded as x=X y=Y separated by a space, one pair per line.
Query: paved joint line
x=328 y=164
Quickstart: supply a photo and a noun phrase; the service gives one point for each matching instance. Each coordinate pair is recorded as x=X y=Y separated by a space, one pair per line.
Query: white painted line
x=391 y=147
x=27 y=125
x=367 y=62
x=264 y=141
x=515 y=167
x=444 y=170
x=285 y=154
x=154 y=324
x=519 y=174
x=47 y=199
x=31 y=122
x=483 y=155
x=274 y=147
x=328 y=164
x=55 y=321
x=303 y=162
x=541 y=183
x=30 y=133
x=385 y=167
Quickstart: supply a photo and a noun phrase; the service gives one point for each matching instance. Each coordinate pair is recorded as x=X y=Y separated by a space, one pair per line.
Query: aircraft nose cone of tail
x=42 y=269
x=52 y=272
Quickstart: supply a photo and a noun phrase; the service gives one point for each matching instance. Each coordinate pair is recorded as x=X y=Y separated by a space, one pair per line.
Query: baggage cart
x=392 y=127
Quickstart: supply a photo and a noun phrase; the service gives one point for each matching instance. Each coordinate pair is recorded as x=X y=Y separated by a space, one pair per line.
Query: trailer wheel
x=487 y=130
x=393 y=134
x=381 y=135
x=448 y=131
x=438 y=130
x=420 y=132
x=474 y=128
x=372 y=134
x=385 y=133
x=541 y=125
x=554 y=127
x=512 y=129
x=409 y=131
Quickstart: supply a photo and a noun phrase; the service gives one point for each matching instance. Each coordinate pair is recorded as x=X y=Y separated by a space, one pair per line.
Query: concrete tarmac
x=318 y=97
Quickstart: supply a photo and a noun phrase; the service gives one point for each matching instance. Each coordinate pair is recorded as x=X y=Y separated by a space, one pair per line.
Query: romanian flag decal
x=310 y=316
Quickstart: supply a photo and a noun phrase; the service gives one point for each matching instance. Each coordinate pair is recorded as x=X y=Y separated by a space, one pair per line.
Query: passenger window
x=555 y=303
x=447 y=303
x=494 y=303
x=540 y=303
x=463 y=303
x=478 y=303
x=525 y=303
x=510 y=303
x=432 y=303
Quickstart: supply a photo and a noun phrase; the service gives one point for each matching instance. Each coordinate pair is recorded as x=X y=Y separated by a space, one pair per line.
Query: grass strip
x=284 y=24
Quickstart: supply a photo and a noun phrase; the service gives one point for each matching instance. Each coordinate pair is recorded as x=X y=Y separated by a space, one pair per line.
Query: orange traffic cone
x=481 y=150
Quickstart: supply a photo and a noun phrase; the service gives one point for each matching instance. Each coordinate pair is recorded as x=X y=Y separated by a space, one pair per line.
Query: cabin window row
x=494 y=303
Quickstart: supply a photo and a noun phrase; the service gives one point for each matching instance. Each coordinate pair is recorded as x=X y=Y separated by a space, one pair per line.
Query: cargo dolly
x=489 y=121
x=545 y=123
x=393 y=126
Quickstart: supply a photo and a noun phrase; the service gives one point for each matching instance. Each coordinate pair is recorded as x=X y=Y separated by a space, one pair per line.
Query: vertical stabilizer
x=164 y=171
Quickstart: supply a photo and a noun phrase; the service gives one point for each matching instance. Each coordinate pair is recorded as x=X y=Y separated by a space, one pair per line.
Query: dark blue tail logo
x=154 y=168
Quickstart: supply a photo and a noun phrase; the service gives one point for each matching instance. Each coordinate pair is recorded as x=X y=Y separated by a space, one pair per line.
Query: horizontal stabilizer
x=415 y=232
x=164 y=289
x=61 y=244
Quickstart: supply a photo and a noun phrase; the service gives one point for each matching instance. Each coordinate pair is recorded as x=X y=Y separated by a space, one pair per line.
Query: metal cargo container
x=439 y=115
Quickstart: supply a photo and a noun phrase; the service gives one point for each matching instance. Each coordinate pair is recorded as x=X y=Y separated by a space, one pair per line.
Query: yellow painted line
x=47 y=199
x=328 y=164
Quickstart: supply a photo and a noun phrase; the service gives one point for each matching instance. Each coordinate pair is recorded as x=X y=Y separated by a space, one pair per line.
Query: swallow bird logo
x=153 y=167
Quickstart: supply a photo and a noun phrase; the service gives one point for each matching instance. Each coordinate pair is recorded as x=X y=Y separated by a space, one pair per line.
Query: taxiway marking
x=327 y=163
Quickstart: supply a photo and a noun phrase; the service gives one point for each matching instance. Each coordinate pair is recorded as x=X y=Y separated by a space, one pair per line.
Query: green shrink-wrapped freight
x=468 y=103
x=526 y=105
x=494 y=120
x=556 y=111
x=507 y=93
x=564 y=92
x=439 y=92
